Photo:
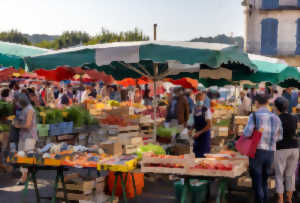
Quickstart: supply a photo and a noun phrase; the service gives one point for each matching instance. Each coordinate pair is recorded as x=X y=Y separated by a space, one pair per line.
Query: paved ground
x=156 y=191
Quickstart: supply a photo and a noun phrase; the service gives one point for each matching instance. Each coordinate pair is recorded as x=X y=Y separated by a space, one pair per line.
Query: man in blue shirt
x=260 y=165
x=292 y=97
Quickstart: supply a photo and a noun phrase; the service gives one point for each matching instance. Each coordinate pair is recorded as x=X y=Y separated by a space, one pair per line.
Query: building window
x=269 y=33
x=298 y=3
x=297 y=52
x=270 y=4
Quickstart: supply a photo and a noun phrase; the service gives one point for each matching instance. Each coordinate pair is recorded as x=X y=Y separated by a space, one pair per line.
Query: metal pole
x=155 y=86
x=155 y=32
x=155 y=102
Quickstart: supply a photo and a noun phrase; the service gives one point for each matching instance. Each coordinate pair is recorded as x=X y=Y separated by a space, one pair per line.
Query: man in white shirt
x=245 y=106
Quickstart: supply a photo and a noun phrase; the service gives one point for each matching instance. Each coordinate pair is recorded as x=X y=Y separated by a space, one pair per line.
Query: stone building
x=272 y=28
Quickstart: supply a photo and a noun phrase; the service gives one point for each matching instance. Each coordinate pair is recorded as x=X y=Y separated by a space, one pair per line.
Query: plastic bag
x=190 y=122
x=184 y=134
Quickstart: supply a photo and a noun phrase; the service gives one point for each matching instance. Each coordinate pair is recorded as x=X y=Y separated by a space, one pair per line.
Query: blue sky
x=177 y=19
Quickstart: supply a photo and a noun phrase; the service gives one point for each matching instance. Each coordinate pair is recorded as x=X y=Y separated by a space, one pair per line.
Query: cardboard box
x=223 y=131
x=100 y=185
x=113 y=148
x=247 y=182
x=241 y=120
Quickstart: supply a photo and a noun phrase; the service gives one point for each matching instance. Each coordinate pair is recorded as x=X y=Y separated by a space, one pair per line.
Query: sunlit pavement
x=158 y=190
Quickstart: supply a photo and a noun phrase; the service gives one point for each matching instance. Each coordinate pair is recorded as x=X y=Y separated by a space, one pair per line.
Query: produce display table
x=32 y=171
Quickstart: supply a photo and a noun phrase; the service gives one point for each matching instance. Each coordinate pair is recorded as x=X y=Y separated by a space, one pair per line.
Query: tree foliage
x=107 y=36
x=14 y=36
x=223 y=39
x=67 y=39
x=75 y=38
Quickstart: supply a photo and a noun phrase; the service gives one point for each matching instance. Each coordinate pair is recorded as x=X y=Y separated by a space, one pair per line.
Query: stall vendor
x=202 y=125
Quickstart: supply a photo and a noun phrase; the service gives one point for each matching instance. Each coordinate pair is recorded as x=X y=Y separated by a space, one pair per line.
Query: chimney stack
x=155 y=29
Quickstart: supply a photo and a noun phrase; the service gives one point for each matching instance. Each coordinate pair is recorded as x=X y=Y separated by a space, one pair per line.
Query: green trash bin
x=43 y=130
x=199 y=190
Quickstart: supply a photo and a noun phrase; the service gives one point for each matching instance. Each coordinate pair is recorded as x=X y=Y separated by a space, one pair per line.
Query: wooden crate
x=237 y=170
x=148 y=159
x=100 y=185
x=130 y=149
x=129 y=134
x=75 y=196
x=85 y=187
x=129 y=128
x=163 y=170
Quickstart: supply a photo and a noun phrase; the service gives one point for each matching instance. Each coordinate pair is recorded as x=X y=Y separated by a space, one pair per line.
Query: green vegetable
x=80 y=116
x=52 y=115
x=166 y=132
x=223 y=122
x=6 y=109
x=4 y=128
x=156 y=149
x=75 y=115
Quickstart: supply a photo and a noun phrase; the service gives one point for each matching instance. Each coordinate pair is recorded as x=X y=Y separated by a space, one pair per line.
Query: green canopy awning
x=12 y=54
x=136 y=59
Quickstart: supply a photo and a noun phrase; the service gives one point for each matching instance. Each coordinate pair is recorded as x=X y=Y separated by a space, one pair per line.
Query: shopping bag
x=247 y=146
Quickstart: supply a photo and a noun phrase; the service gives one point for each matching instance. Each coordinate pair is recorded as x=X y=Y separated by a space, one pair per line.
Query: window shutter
x=269 y=33
x=270 y=4
x=297 y=52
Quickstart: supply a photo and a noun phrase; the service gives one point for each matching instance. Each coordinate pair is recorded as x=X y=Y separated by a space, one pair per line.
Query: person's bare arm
x=205 y=129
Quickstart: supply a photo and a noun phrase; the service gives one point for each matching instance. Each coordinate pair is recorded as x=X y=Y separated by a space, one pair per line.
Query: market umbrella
x=208 y=82
x=64 y=73
x=155 y=60
x=268 y=70
x=185 y=82
x=290 y=83
x=133 y=82
x=6 y=73
x=135 y=59
x=59 y=74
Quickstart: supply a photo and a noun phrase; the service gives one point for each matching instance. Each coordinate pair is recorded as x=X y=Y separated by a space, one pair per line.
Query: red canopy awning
x=59 y=74
x=67 y=73
x=7 y=73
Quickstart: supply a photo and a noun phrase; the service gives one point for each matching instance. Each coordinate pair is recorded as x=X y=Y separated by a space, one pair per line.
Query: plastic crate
x=55 y=129
x=198 y=193
x=43 y=130
x=67 y=127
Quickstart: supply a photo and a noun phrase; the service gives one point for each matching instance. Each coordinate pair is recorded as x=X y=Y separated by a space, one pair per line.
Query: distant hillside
x=37 y=38
x=223 y=39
